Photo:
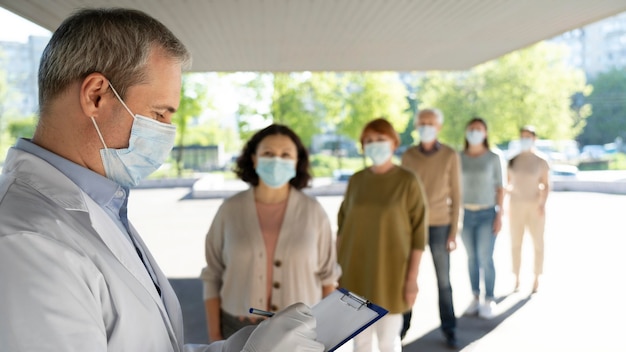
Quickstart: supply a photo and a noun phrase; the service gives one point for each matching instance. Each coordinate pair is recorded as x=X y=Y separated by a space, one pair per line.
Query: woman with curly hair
x=269 y=246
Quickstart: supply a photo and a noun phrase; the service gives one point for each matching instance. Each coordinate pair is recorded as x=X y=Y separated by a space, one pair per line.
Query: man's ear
x=92 y=90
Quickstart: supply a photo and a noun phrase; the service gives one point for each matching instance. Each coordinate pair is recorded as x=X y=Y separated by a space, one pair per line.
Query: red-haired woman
x=382 y=231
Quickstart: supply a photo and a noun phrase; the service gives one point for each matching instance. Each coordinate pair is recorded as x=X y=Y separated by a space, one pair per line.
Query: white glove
x=290 y=330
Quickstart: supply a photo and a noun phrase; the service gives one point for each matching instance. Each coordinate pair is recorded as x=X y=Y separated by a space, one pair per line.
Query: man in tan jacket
x=438 y=166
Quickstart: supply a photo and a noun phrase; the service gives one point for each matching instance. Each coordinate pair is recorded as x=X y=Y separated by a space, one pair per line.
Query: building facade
x=597 y=47
x=20 y=62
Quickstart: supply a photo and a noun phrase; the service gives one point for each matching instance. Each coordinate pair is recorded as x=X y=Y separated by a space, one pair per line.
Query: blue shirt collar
x=435 y=148
x=103 y=191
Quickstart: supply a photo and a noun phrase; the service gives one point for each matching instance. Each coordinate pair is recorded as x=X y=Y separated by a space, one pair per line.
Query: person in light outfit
x=528 y=189
x=271 y=245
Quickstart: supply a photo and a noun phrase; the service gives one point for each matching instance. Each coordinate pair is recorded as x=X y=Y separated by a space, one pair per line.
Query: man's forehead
x=424 y=116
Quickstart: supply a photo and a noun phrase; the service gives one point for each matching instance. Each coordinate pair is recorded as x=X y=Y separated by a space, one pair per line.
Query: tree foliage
x=21 y=127
x=253 y=106
x=193 y=101
x=294 y=104
x=372 y=95
x=530 y=86
x=608 y=101
x=325 y=102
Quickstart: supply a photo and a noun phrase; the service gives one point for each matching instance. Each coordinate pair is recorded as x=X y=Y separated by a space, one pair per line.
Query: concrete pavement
x=579 y=306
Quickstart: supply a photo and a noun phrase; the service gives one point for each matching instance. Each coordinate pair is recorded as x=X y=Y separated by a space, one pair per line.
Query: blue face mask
x=149 y=146
x=275 y=172
x=475 y=137
x=427 y=133
x=379 y=152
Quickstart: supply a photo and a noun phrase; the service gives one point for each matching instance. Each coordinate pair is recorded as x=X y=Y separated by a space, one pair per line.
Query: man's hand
x=451 y=243
x=290 y=330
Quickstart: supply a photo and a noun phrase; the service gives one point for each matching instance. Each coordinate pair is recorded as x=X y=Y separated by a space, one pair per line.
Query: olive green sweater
x=382 y=218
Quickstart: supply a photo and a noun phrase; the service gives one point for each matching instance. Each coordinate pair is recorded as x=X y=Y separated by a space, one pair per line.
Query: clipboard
x=341 y=316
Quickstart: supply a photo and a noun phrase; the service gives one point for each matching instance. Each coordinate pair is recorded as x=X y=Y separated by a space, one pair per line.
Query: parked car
x=563 y=171
x=592 y=152
x=342 y=175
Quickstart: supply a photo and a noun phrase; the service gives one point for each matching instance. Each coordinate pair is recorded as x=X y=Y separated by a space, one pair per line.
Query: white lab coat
x=70 y=280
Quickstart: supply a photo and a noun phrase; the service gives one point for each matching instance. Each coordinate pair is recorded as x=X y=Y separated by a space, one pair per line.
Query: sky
x=17 y=29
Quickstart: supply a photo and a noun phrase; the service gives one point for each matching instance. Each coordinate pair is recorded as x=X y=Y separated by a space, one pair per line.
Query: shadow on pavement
x=469 y=328
x=189 y=292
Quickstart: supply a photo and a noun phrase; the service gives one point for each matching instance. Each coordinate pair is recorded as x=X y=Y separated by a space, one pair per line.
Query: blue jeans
x=437 y=241
x=479 y=241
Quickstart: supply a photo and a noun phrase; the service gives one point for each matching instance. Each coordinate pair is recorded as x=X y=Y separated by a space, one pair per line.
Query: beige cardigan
x=305 y=256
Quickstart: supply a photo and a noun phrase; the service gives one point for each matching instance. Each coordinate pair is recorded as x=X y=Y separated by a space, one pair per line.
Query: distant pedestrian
x=483 y=193
x=438 y=166
x=528 y=189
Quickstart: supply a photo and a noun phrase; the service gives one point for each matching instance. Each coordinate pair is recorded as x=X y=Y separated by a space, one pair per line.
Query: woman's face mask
x=475 y=137
x=379 y=152
x=149 y=146
x=275 y=171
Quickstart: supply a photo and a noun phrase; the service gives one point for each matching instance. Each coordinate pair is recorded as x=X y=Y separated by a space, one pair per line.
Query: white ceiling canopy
x=346 y=35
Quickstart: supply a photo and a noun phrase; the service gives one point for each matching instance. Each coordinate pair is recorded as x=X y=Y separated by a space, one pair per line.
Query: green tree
x=608 y=101
x=192 y=102
x=294 y=105
x=529 y=86
x=252 y=91
x=309 y=103
x=22 y=127
x=406 y=135
x=371 y=95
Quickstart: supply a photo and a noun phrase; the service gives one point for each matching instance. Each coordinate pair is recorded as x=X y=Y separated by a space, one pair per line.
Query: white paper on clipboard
x=341 y=316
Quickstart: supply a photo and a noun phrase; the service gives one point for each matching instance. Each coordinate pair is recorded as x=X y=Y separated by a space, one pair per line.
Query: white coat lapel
x=125 y=252
x=121 y=247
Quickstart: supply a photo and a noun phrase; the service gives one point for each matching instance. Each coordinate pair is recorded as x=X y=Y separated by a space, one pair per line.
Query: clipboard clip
x=354 y=301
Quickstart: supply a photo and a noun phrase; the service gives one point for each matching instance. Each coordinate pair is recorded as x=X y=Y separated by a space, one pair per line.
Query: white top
x=305 y=257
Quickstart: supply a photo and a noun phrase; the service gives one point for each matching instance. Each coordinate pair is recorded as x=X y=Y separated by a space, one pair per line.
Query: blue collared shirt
x=435 y=149
x=106 y=193
x=109 y=195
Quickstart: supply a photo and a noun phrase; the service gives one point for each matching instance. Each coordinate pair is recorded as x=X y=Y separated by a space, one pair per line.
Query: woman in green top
x=382 y=233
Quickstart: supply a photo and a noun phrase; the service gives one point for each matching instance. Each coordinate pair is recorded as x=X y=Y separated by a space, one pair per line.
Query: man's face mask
x=427 y=133
x=526 y=143
x=149 y=146
x=275 y=172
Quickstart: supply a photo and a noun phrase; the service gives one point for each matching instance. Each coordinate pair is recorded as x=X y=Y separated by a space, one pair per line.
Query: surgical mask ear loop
x=99 y=134
x=121 y=101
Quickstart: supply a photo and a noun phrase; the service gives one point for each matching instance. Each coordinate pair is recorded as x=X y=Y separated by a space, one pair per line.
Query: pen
x=261 y=312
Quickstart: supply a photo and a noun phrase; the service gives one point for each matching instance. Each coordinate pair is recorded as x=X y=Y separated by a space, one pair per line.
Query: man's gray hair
x=433 y=111
x=115 y=42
